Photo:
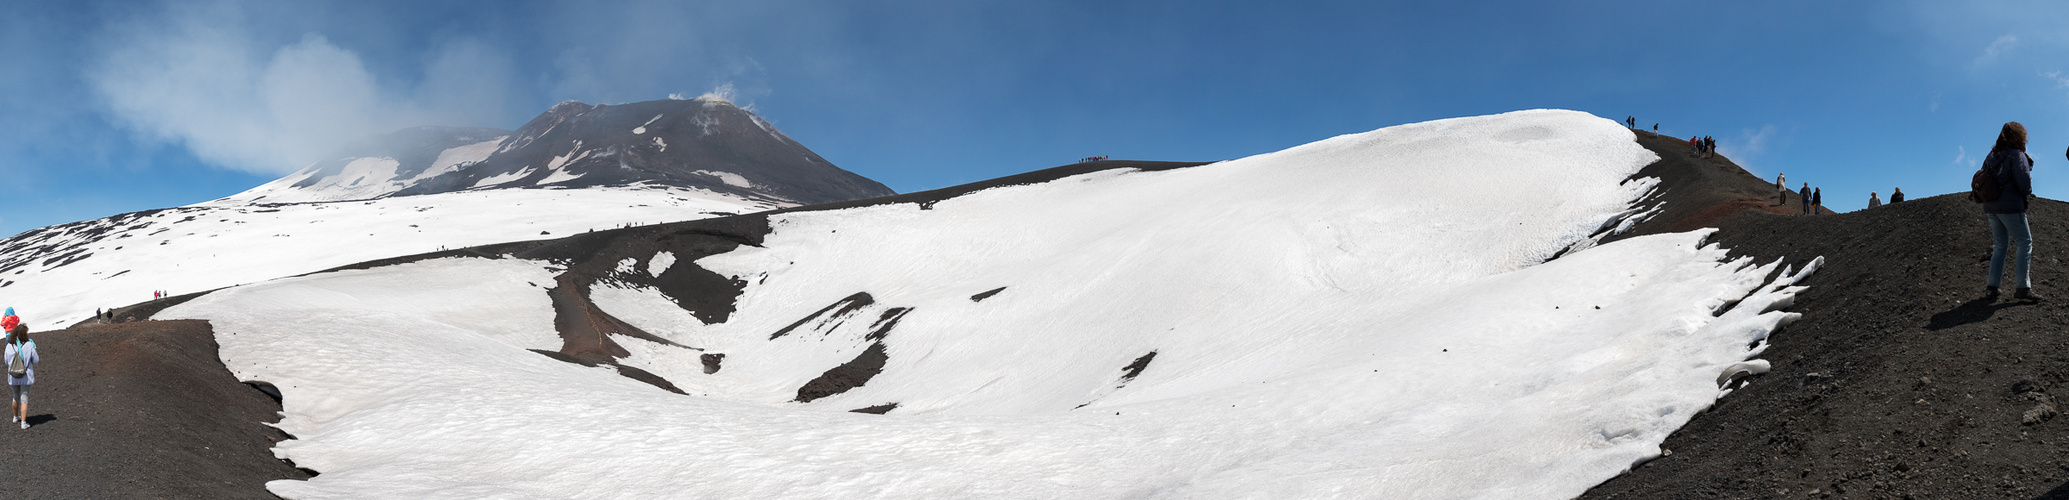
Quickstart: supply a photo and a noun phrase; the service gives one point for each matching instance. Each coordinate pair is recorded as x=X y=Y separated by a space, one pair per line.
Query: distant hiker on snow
x=21 y=369
x=1897 y=196
x=1873 y=200
x=1805 y=194
x=2002 y=186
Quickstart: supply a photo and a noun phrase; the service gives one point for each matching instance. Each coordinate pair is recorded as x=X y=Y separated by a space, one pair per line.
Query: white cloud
x=1750 y=144
x=723 y=92
x=197 y=77
x=1997 y=49
x=1962 y=158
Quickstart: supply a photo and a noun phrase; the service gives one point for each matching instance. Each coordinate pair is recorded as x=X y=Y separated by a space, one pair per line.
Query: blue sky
x=111 y=107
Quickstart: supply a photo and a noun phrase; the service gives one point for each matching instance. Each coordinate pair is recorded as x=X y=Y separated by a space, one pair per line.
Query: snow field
x=204 y=247
x=1370 y=315
x=453 y=158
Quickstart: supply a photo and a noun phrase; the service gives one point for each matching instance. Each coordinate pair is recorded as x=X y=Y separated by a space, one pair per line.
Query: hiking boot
x=1990 y=293
x=2027 y=294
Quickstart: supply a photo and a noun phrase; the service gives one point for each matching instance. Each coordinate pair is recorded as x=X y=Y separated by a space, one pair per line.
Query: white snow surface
x=452 y=159
x=731 y=179
x=1369 y=316
x=559 y=176
x=500 y=179
x=660 y=262
x=362 y=178
x=642 y=128
x=198 y=248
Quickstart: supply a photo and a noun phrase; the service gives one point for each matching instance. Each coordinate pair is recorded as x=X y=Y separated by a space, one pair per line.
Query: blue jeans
x=2007 y=230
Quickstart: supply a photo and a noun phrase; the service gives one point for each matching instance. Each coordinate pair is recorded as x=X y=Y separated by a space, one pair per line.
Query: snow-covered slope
x=377 y=166
x=1371 y=315
x=58 y=275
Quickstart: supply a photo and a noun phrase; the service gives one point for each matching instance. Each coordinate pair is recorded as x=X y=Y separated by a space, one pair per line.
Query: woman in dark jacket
x=2007 y=214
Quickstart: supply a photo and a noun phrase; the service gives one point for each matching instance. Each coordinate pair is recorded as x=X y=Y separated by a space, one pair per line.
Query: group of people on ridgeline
x=20 y=357
x=1703 y=146
x=1813 y=199
x=2002 y=186
x=1632 y=122
x=1875 y=199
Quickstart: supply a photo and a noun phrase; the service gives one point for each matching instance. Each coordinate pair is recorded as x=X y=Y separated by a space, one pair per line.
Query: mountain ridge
x=704 y=143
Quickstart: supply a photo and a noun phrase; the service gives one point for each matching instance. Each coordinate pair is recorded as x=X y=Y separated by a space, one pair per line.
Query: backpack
x=17 y=367
x=1983 y=187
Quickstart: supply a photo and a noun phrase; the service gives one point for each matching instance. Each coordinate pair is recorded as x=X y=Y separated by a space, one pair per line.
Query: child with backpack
x=21 y=369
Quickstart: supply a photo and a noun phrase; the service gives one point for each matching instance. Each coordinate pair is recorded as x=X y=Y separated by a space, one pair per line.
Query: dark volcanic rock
x=1897 y=382
x=141 y=410
x=849 y=375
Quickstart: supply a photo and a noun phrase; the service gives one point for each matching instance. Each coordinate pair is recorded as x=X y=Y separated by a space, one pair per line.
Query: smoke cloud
x=196 y=77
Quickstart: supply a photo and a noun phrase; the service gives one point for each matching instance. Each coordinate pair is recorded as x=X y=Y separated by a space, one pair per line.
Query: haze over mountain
x=706 y=143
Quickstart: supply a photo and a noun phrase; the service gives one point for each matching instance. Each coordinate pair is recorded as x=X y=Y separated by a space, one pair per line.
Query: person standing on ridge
x=1805 y=195
x=2013 y=168
x=1873 y=201
x=20 y=349
x=1817 y=200
x=1781 y=182
x=1897 y=196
